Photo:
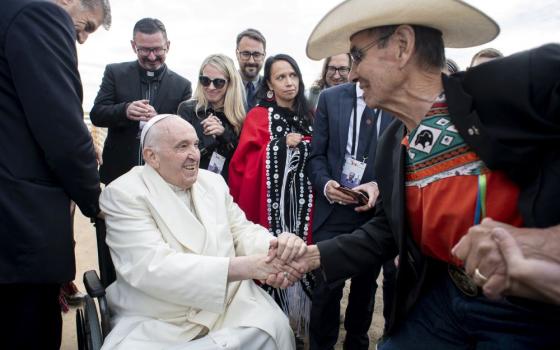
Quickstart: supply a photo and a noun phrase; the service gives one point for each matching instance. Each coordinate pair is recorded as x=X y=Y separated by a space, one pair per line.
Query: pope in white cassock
x=185 y=255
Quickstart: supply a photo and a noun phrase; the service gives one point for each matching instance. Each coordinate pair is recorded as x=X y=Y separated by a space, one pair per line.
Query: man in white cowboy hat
x=478 y=145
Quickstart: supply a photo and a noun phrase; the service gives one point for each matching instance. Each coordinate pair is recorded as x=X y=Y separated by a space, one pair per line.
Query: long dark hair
x=300 y=106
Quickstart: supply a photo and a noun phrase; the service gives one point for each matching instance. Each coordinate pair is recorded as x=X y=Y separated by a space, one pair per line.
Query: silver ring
x=340 y=202
x=285 y=274
x=479 y=276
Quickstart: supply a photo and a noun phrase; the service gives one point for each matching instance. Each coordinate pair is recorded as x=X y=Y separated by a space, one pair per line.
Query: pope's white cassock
x=171 y=251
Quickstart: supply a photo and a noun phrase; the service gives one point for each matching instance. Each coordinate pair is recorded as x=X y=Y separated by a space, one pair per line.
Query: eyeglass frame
x=202 y=78
x=358 y=54
x=251 y=54
x=139 y=50
x=332 y=70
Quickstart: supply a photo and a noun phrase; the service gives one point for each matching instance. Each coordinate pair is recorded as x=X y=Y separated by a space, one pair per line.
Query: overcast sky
x=198 y=28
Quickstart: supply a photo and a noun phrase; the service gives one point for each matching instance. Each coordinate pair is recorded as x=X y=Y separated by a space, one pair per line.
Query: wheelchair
x=91 y=327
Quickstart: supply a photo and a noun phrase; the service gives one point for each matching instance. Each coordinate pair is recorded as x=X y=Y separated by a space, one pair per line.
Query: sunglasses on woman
x=218 y=82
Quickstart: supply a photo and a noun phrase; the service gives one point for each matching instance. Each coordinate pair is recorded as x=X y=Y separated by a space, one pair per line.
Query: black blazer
x=120 y=86
x=47 y=155
x=224 y=144
x=330 y=136
x=508 y=112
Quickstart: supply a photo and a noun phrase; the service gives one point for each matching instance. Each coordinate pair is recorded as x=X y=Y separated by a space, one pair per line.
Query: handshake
x=288 y=259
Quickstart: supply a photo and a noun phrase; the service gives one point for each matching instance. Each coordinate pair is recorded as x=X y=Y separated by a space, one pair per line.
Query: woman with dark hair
x=267 y=174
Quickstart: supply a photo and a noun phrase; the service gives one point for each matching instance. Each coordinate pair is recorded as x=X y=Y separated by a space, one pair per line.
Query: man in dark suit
x=133 y=92
x=483 y=143
x=250 y=52
x=47 y=160
x=344 y=128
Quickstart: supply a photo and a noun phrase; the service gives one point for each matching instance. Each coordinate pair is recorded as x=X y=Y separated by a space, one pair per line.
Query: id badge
x=352 y=172
x=216 y=163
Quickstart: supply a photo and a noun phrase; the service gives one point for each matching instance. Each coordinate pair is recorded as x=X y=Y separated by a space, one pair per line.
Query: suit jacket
x=172 y=267
x=121 y=85
x=507 y=111
x=328 y=148
x=248 y=106
x=47 y=153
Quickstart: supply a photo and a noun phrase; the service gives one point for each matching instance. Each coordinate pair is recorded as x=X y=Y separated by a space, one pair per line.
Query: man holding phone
x=341 y=171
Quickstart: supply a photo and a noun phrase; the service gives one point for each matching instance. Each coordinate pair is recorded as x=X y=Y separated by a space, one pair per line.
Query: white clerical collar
x=176 y=188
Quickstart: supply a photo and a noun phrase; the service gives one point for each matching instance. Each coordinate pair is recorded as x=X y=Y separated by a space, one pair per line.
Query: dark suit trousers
x=31 y=315
x=325 y=309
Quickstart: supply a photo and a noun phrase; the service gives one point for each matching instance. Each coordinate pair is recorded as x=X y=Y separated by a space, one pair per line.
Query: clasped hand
x=506 y=260
x=283 y=255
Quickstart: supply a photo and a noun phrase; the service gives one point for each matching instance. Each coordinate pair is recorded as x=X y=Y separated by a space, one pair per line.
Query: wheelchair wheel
x=80 y=330
x=93 y=329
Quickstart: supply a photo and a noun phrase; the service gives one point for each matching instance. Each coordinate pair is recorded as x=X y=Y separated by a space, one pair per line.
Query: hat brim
x=461 y=24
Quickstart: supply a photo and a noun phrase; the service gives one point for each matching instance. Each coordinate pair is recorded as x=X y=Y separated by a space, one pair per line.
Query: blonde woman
x=217 y=112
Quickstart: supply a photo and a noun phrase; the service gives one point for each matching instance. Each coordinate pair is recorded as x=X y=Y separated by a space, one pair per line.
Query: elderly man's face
x=177 y=156
x=377 y=70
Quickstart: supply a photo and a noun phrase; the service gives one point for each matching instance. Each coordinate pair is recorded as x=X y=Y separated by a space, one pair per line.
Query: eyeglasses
x=145 y=51
x=358 y=54
x=343 y=70
x=246 y=55
x=218 y=82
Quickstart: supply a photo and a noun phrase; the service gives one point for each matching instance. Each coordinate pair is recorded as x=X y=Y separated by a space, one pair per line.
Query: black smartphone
x=360 y=196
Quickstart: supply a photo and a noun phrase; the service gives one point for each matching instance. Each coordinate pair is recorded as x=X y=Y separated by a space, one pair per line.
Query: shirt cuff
x=325 y=192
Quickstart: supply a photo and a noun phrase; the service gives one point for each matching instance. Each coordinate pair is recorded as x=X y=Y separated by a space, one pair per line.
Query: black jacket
x=508 y=111
x=120 y=86
x=47 y=155
x=224 y=144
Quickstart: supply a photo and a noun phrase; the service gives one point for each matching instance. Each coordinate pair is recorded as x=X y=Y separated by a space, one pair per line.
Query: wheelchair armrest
x=93 y=284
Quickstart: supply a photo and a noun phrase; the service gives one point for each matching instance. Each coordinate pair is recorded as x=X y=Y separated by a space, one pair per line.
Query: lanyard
x=354 y=147
x=480 y=211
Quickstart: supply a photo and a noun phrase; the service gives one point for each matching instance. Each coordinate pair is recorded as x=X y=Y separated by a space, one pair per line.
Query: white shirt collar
x=359 y=92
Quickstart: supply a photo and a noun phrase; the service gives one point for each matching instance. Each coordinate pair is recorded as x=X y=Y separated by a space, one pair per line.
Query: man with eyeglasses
x=131 y=93
x=345 y=135
x=47 y=161
x=466 y=148
x=335 y=72
x=250 y=53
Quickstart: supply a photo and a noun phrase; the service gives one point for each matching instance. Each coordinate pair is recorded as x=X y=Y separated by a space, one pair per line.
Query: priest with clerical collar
x=132 y=93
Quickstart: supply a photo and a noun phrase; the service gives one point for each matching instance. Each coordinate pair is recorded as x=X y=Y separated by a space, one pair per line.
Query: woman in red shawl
x=267 y=174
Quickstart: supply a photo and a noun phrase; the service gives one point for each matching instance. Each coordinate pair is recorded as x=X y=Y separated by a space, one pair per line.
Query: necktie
x=368 y=134
x=251 y=100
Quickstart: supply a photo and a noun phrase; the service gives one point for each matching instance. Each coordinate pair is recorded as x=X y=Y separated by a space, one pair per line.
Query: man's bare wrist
x=240 y=269
x=542 y=244
x=313 y=257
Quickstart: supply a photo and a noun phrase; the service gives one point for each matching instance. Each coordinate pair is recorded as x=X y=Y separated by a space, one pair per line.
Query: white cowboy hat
x=461 y=24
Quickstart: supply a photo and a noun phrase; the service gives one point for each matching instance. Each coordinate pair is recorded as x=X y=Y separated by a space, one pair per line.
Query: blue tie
x=368 y=134
x=251 y=100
